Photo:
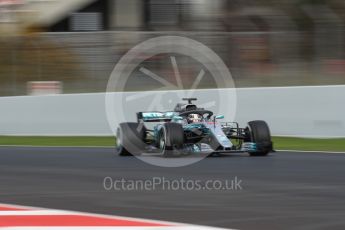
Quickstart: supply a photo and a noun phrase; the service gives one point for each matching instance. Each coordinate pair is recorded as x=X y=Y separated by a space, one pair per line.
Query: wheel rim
x=118 y=141
x=162 y=143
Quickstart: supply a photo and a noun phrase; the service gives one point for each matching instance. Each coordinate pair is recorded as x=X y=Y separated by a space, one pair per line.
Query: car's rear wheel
x=259 y=133
x=130 y=139
x=171 y=139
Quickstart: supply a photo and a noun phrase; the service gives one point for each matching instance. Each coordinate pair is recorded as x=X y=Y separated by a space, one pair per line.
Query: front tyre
x=259 y=133
x=171 y=139
x=130 y=138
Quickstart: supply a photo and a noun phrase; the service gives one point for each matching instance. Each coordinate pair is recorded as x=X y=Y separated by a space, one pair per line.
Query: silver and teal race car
x=190 y=130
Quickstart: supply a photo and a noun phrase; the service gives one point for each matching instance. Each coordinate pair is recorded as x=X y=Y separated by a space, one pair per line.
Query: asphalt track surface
x=282 y=191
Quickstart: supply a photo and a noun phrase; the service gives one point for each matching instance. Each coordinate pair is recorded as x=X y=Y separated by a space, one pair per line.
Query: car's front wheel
x=259 y=133
x=171 y=139
x=130 y=138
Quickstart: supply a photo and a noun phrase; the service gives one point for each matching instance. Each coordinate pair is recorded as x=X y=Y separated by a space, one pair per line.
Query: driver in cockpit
x=194 y=118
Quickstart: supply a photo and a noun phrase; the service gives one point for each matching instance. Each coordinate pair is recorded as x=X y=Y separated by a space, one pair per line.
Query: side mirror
x=220 y=117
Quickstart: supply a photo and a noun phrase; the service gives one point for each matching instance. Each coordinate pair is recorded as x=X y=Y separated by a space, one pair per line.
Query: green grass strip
x=309 y=144
x=57 y=141
x=286 y=143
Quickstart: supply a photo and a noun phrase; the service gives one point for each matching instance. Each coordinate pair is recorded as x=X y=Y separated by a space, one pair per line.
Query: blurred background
x=60 y=46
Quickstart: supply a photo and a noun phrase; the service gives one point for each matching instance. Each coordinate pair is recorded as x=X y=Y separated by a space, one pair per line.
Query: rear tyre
x=130 y=138
x=259 y=133
x=171 y=139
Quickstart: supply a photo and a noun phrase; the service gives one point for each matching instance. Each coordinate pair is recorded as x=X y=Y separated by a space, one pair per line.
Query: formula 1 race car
x=188 y=130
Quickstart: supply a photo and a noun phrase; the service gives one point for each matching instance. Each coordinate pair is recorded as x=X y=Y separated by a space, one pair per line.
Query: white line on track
x=33 y=213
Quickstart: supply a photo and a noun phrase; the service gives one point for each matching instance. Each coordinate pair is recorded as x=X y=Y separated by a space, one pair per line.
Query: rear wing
x=155 y=116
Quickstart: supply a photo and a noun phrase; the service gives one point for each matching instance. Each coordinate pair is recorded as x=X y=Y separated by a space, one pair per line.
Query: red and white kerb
x=29 y=218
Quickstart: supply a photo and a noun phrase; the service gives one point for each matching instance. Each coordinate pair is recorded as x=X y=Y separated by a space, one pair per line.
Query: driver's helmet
x=192 y=118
